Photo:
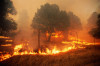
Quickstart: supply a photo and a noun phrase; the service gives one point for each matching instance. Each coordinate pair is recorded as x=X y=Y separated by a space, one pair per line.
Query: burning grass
x=22 y=49
x=49 y=52
x=88 y=56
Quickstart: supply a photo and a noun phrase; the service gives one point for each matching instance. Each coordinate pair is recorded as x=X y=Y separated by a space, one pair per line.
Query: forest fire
x=41 y=52
x=47 y=52
x=23 y=49
x=49 y=33
x=4 y=57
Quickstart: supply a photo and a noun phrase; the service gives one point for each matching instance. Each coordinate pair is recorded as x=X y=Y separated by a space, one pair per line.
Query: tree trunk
x=76 y=39
x=38 y=39
x=94 y=41
x=49 y=37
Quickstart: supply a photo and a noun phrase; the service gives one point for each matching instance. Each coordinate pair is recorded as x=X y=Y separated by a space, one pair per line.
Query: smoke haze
x=27 y=8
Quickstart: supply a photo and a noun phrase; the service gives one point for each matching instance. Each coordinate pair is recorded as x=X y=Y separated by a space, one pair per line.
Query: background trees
x=7 y=24
x=75 y=22
x=92 y=21
x=49 y=18
x=95 y=32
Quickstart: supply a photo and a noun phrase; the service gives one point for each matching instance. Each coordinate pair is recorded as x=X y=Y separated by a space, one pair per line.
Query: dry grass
x=81 y=57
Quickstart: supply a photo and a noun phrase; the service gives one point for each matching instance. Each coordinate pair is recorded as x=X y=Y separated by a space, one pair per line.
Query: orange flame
x=48 y=51
x=4 y=57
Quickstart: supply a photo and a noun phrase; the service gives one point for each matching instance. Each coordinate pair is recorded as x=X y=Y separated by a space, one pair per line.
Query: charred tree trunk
x=1 y=32
x=76 y=39
x=38 y=38
x=94 y=41
x=49 y=37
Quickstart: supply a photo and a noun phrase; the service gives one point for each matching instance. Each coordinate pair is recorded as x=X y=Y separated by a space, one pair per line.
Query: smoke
x=81 y=8
x=92 y=21
x=75 y=23
x=88 y=32
x=24 y=34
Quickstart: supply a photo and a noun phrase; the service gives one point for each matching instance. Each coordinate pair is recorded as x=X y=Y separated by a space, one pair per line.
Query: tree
x=92 y=21
x=49 y=18
x=7 y=24
x=95 y=32
x=75 y=23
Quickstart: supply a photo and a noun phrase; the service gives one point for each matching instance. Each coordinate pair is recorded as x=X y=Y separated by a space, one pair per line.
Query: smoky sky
x=81 y=8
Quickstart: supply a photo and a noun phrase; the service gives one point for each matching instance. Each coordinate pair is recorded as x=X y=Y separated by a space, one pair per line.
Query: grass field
x=90 y=56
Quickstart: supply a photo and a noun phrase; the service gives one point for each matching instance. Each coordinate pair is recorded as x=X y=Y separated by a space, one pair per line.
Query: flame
x=57 y=34
x=78 y=41
x=6 y=41
x=47 y=52
x=4 y=37
x=7 y=45
x=20 y=48
x=4 y=57
x=9 y=40
x=17 y=47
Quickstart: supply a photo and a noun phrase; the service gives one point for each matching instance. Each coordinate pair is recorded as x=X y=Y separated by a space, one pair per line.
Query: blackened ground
x=90 y=56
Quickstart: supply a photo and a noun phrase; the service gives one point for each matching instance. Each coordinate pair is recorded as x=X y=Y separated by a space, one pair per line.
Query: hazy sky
x=82 y=8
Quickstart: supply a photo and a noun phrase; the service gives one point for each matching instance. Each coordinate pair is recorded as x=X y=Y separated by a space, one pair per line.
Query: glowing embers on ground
x=5 y=41
x=4 y=37
x=74 y=41
x=9 y=40
x=4 y=57
x=6 y=45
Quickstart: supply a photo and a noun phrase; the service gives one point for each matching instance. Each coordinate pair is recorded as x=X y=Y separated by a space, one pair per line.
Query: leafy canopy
x=95 y=32
x=7 y=24
x=50 y=18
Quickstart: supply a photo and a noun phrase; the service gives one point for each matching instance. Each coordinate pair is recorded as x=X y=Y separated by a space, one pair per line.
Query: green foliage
x=7 y=24
x=50 y=18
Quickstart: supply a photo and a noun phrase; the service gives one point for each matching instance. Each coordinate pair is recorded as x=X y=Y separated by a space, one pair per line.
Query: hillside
x=90 y=56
